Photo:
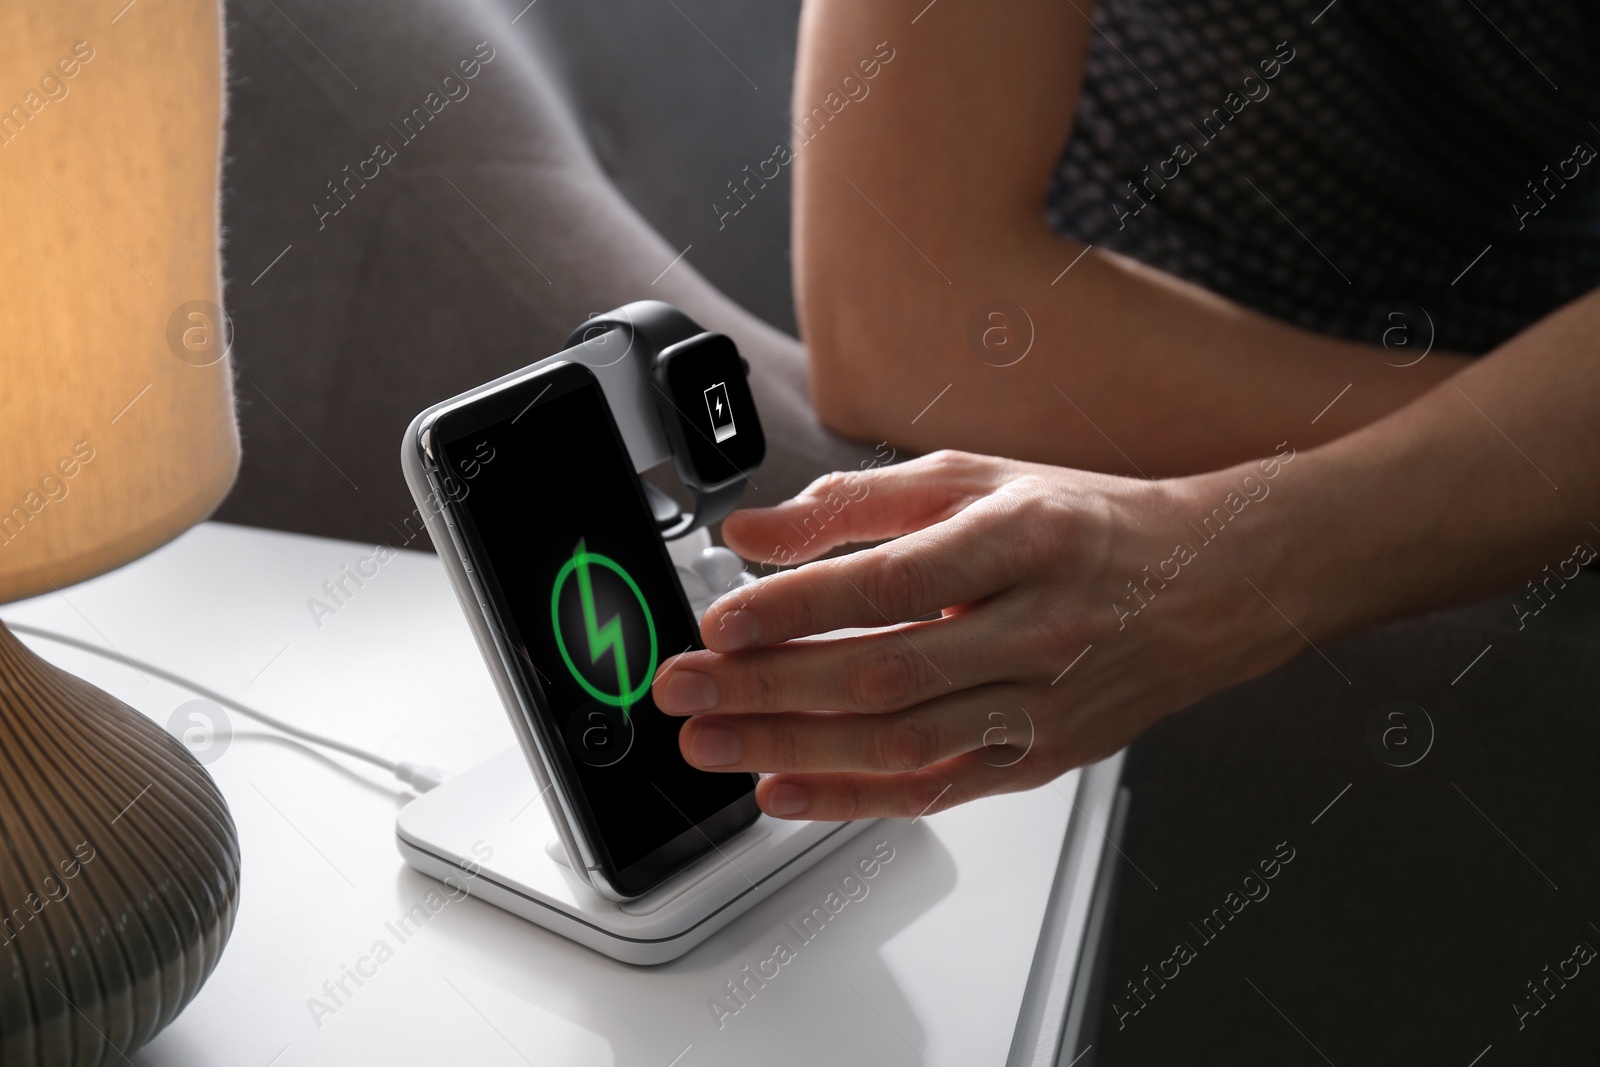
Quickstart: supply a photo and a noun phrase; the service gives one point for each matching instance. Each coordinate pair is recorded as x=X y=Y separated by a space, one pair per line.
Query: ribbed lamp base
x=120 y=875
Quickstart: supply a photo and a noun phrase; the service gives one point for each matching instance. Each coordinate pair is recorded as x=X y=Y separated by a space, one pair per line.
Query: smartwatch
x=702 y=400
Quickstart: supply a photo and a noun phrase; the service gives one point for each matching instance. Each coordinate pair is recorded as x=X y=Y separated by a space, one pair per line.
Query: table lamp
x=120 y=873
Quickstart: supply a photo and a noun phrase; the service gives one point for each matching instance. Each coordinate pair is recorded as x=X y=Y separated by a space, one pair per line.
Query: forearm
x=923 y=200
x=1469 y=491
x=1130 y=370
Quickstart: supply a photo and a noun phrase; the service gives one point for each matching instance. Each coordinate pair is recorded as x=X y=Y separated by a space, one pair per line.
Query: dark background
x=1408 y=922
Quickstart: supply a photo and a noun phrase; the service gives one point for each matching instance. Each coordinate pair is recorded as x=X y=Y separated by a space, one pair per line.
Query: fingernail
x=737 y=629
x=716 y=746
x=787 y=798
x=689 y=691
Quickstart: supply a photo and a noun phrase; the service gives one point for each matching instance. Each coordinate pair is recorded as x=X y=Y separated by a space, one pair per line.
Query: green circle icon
x=601 y=639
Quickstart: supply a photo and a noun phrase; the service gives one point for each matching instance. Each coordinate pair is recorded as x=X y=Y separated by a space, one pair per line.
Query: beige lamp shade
x=117 y=428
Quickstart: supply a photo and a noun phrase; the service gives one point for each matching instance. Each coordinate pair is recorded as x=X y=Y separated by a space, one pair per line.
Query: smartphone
x=577 y=605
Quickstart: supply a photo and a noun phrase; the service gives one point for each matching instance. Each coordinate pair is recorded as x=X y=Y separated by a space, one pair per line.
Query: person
x=1205 y=451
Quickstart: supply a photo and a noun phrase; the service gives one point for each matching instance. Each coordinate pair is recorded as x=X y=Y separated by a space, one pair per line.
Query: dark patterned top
x=1321 y=164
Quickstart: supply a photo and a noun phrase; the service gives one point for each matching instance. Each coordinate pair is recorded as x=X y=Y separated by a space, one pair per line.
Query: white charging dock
x=488 y=832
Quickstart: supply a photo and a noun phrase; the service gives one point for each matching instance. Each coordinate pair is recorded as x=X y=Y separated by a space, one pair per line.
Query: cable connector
x=420 y=777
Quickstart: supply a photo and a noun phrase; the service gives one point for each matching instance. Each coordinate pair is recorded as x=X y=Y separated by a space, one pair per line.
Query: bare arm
x=1469 y=491
x=923 y=201
x=1099 y=604
x=1092 y=605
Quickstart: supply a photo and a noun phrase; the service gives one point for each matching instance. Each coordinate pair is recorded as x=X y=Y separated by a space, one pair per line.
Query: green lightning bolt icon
x=602 y=639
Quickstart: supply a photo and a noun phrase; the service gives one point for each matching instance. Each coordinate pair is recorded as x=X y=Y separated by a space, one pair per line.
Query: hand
x=1011 y=644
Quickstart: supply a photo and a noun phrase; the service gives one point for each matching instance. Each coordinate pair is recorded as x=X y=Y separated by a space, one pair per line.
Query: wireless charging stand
x=487 y=832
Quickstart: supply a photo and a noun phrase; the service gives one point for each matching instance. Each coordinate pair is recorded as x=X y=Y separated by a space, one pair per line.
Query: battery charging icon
x=721 y=412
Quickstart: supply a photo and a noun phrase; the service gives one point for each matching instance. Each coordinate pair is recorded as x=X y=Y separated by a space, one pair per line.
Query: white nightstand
x=964 y=951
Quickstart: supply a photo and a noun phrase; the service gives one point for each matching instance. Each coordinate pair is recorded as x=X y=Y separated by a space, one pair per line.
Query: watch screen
x=590 y=602
x=719 y=431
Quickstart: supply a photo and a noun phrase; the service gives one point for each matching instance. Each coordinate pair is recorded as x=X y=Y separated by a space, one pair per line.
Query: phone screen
x=590 y=605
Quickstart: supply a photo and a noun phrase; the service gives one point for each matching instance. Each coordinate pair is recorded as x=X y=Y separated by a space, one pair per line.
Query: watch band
x=658 y=323
x=657 y=326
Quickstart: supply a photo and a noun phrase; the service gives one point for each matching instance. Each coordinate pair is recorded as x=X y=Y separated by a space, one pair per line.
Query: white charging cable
x=416 y=775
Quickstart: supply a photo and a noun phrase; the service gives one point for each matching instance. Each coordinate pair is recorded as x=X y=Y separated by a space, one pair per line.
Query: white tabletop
x=930 y=967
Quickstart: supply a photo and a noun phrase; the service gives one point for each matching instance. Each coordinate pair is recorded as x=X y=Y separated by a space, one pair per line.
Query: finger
x=956 y=561
x=989 y=718
x=842 y=797
x=867 y=505
x=876 y=672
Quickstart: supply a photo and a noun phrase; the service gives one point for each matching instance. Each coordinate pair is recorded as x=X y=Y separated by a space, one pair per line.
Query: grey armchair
x=398 y=230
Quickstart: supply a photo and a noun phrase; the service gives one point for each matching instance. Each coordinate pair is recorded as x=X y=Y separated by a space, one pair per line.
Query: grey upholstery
x=576 y=165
